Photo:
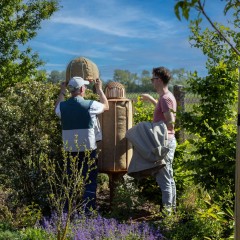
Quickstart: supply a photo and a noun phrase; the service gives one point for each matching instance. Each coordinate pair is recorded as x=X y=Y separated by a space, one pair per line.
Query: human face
x=153 y=79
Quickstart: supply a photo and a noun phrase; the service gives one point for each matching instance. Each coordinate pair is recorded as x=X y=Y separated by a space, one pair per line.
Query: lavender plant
x=83 y=228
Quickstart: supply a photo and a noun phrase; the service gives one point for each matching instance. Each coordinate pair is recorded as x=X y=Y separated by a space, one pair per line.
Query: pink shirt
x=166 y=102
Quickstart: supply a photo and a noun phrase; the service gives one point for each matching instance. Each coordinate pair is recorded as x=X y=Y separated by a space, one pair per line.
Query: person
x=165 y=110
x=78 y=120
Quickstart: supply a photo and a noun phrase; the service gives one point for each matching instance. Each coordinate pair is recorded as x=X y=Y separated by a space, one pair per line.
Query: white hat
x=77 y=82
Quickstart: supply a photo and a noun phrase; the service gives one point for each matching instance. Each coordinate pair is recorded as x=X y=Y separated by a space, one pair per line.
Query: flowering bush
x=101 y=228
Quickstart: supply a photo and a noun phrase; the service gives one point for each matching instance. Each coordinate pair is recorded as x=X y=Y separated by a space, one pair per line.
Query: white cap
x=77 y=82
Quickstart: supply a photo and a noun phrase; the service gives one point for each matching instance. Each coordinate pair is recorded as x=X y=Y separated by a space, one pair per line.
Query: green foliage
x=27 y=216
x=150 y=190
x=179 y=77
x=33 y=234
x=198 y=217
x=199 y=6
x=127 y=199
x=19 y=21
x=56 y=76
x=126 y=78
x=142 y=111
x=185 y=6
x=9 y=235
x=212 y=120
x=182 y=176
x=22 y=218
x=30 y=133
x=66 y=188
x=29 y=129
x=135 y=83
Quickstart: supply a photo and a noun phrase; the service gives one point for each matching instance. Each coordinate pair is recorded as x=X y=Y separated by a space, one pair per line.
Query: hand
x=98 y=84
x=63 y=87
x=145 y=97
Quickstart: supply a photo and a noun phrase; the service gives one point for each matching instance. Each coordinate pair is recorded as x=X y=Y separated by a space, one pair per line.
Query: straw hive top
x=115 y=90
x=82 y=67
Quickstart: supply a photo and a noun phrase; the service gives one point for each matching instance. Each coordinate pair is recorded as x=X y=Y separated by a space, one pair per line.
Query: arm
x=170 y=119
x=103 y=99
x=61 y=94
x=149 y=98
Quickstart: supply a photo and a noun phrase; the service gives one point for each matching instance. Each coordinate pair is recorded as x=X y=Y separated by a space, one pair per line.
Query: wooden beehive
x=115 y=149
x=114 y=90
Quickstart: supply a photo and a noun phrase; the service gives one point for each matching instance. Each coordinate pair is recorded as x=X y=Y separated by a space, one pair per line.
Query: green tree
x=212 y=121
x=234 y=5
x=179 y=76
x=126 y=78
x=19 y=22
x=145 y=82
x=56 y=76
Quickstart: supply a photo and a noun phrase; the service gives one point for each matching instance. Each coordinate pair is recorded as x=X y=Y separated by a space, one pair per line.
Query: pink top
x=166 y=102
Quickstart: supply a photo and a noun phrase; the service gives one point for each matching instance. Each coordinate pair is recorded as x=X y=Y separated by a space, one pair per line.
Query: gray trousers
x=165 y=178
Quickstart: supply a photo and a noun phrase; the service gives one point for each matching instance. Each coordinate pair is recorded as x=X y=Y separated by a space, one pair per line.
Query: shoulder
x=96 y=107
x=168 y=97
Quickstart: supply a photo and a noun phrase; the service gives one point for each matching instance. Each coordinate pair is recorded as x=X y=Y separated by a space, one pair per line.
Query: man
x=78 y=120
x=165 y=109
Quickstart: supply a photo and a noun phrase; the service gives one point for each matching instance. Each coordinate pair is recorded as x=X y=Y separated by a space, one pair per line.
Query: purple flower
x=97 y=228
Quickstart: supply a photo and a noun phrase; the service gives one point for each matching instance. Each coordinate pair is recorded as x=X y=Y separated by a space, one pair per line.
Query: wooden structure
x=115 y=150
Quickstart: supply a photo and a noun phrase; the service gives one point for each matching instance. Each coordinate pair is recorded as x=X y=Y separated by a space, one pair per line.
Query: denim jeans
x=89 y=196
x=165 y=178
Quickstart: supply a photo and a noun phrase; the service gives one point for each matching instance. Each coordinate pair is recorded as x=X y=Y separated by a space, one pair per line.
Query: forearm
x=149 y=98
x=170 y=120
x=103 y=99
x=153 y=101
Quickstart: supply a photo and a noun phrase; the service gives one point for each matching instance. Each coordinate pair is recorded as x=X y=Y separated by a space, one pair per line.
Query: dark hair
x=162 y=73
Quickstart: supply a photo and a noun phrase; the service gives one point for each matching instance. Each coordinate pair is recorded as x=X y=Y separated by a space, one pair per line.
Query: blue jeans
x=89 y=196
x=165 y=178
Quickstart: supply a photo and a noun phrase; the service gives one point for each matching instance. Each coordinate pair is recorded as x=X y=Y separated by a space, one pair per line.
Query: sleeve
x=96 y=108
x=57 y=111
x=166 y=104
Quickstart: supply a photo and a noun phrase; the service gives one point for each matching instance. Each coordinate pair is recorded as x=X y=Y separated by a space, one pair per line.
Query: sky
x=133 y=35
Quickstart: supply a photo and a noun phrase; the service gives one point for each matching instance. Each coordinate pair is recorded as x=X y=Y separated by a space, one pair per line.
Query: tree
x=186 y=5
x=145 y=82
x=56 y=76
x=234 y=42
x=126 y=78
x=179 y=76
x=19 y=22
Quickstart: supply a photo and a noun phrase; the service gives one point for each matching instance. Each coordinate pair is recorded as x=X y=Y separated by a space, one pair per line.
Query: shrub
x=198 y=217
x=28 y=129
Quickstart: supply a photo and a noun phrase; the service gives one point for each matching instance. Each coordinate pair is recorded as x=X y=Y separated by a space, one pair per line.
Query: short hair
x=162 y=73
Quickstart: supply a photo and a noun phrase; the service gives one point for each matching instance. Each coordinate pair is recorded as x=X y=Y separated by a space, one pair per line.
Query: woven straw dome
x=114 y=90
x=82 y=67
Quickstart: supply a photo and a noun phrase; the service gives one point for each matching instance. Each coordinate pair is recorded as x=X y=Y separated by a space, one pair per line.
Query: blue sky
x=129 y=35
